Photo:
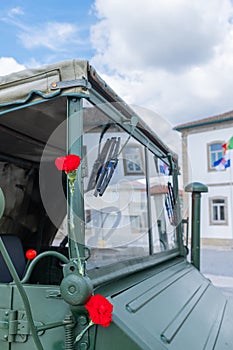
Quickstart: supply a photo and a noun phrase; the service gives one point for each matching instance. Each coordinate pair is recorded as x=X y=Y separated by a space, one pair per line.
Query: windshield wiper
x=170 y=202
x=108 y=167
x=97 y=165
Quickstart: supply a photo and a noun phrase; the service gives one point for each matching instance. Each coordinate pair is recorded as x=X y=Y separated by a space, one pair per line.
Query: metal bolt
x=6 y=337
x=82 y=320
x=72 y=289
x=83 y=346
x=6 y=313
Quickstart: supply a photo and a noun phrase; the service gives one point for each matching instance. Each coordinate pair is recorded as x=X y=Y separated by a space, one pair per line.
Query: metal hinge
x=83 y=83
x=14 y=326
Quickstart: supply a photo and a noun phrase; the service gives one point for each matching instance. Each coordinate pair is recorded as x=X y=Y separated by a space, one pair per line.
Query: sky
x=174 y=57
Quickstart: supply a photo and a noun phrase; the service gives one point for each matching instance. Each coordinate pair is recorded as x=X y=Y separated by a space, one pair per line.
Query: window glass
x=115 y=198
x=222 y=213
x=163 y=205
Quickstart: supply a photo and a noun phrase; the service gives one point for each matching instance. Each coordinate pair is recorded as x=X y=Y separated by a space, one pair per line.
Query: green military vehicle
x=91 y=240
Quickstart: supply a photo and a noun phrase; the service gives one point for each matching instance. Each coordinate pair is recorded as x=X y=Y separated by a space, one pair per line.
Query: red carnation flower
x=100 y=310
x=68 y=163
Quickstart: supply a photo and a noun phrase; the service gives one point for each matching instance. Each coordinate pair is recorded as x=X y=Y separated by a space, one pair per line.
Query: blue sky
x=46 y=31
x=174 y=57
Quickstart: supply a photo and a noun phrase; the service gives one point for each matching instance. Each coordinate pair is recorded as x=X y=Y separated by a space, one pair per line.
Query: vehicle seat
x=14 y=247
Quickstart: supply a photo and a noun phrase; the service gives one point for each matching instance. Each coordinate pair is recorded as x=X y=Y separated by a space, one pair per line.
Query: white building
x=202 y=142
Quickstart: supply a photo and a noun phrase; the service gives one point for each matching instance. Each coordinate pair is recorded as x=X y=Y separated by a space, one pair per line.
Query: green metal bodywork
x=160 y=301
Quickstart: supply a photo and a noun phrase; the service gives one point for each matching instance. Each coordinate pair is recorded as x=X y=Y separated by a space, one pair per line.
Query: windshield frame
x=117 y=117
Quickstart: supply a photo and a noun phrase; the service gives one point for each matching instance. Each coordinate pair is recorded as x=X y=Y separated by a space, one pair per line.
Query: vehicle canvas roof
x=68 y=78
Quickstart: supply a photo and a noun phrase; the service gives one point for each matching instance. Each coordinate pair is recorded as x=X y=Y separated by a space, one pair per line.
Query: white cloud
x=15 y=11
x=164 y=33
x=9 y=65
x=173 y=56
x=53 y=35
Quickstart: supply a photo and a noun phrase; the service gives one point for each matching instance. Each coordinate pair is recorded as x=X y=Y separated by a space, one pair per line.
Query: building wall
x=219 y=182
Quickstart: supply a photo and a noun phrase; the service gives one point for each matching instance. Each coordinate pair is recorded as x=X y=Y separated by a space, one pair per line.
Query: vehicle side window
x=163 y=203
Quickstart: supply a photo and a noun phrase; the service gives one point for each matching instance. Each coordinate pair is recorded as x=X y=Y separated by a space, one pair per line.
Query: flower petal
x=59 y=162
x=100 y=310
x=68 y=163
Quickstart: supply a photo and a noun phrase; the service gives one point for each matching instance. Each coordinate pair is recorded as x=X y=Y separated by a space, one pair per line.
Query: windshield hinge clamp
x=83 y=83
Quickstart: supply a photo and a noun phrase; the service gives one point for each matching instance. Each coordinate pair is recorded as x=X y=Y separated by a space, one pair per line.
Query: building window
x=133 y=160
x=215 y=152
x=218 y=211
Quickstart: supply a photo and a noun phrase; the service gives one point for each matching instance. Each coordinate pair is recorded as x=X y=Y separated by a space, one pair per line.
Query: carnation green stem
x=80 y=335
x=72 y=227
x=71 y=186
x=71 y=176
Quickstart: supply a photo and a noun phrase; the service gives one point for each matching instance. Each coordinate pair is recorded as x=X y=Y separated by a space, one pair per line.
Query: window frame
x=159 y=149
x=133 y=149
x=211 y=213
x=210 y=167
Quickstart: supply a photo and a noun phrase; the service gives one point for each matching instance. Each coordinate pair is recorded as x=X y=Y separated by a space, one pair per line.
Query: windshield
x=119 y=222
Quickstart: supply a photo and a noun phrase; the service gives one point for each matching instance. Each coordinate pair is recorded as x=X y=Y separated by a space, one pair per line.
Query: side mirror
x=2 y=203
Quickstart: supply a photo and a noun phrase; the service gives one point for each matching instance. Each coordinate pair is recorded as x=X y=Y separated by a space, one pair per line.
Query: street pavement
x=216 y=263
